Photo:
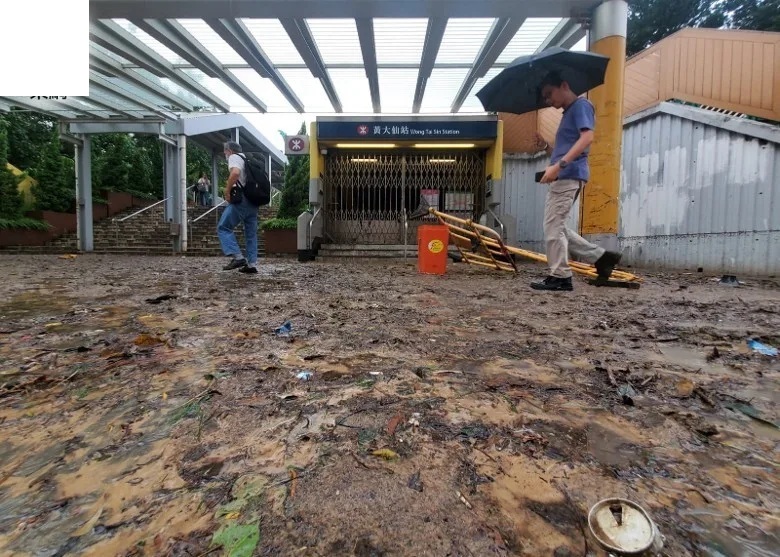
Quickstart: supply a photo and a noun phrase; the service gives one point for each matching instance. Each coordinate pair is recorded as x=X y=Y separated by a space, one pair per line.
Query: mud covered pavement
x=148 y=408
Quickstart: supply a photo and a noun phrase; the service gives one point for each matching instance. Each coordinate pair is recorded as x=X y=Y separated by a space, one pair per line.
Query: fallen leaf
x=68 y=256
x=52 y=325
x=685 y=388
x=148 y=340
x=87 y=528
x=165 y=396
x=387 y=454
x=293 y=482
x=238 y=540
x=463 y=499
x=750 y=412
x=393 y=424
x=232 y=516
x=415 y=483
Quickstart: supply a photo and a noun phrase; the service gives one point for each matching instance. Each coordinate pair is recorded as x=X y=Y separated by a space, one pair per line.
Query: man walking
x=566 y=176
x=238 y=210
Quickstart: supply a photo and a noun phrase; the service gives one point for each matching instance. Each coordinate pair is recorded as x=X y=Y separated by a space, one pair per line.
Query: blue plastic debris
x=284 y=329
x=756 y=346
x=304 y=375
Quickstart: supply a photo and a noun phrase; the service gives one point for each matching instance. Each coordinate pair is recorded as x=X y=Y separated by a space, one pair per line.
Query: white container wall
x=522 y=202
x=699 y=190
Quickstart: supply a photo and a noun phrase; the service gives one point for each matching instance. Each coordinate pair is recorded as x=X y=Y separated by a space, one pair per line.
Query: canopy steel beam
x=106 y=64
x=113 y=37
x=26 y=105
x=433 y=37
x=173 y=35
x=349 y=66
x=565 y=35
x=282 y=9
x=300 y=35
x=71 y=104
x=105 y=104
x=101 y=82
x=240 y=39
x=365 y=28
x=150 y=128
x=499 y=36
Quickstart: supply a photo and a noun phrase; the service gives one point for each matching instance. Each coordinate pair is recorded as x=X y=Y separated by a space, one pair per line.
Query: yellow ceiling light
x=441 y=160
x=444 y=145
x=365 y=145
x=363 y=160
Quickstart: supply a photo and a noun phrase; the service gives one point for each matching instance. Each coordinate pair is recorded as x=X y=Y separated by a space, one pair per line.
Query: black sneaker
x=248 y=270
x=554 y=284
x=606 y=264
x=235 y=264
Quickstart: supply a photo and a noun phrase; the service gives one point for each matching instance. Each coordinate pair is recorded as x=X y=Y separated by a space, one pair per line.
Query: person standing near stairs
x=239 y=210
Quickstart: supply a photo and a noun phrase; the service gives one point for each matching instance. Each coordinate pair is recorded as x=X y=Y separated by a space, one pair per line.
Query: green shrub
x=279 y=224
x=24 y=223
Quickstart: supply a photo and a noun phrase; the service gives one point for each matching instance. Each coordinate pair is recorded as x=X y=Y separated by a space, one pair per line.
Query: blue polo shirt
x=577 y=117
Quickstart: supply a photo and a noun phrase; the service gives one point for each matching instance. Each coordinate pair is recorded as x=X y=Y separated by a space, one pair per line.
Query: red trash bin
x=432 y=249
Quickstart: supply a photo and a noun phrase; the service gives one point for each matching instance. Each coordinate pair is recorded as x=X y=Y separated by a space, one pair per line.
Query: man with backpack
x=246 y=190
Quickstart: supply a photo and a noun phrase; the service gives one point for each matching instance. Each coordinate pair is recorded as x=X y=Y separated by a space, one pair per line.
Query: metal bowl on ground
x=622 y=527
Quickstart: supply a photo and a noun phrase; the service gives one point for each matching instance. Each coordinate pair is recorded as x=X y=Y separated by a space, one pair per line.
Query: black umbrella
x=516 y=89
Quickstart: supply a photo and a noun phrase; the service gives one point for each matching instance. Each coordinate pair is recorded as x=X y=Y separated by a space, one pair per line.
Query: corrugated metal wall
x=697 y=195
x=522 y=202
x=693 y=194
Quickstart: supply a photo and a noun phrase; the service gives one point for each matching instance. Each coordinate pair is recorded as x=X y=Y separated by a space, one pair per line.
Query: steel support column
x=600 y=200
x=84 y=193
x=182 y=198
x=214 y=178
x=171 y=173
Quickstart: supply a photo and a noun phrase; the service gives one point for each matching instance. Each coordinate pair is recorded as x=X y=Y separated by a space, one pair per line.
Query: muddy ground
x=464 y=415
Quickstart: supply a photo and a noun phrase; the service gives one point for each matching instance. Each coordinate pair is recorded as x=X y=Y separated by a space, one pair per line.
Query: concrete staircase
x=340 y=252
x=203 y=233
x=149 y=234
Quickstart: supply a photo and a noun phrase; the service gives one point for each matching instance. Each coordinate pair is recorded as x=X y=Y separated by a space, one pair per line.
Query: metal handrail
x=274 y=194
x=214 y=208
x=311 y=222
x=123 y=219
x=501 y=224
x=406 y=232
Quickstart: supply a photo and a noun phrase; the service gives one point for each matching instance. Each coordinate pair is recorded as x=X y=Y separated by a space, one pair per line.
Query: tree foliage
x=649 y=21
x=28 y=132
x=10 y=200
x=55 y=189
x=295 y=194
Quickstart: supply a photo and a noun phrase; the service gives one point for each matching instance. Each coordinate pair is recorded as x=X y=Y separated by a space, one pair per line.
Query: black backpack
x=257 y=189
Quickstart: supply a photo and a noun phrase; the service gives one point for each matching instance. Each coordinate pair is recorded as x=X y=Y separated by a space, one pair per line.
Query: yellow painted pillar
x=600 y=206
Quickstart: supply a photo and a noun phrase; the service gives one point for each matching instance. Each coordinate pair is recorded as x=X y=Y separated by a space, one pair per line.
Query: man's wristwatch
x=563 y=164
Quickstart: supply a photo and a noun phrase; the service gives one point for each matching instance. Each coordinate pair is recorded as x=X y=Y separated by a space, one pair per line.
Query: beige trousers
x=560 y=239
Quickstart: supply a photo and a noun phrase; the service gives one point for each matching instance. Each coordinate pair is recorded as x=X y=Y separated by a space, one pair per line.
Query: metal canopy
x=278 y=9
x=152 y=59
x=212 y=131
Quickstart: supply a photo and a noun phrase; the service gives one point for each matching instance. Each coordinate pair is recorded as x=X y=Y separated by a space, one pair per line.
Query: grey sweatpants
x=559 y=239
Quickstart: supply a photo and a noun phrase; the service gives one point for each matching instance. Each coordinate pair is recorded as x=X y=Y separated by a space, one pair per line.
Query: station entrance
x=376 y=191
x=380 y=197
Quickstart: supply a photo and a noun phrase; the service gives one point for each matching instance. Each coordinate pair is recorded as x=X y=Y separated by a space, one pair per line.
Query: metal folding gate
x=369 y=196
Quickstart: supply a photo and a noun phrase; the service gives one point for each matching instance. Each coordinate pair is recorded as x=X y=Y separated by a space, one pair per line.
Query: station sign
x=452 y=130
x=296 y=145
